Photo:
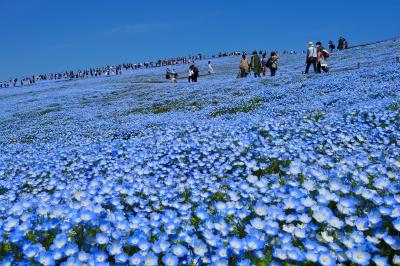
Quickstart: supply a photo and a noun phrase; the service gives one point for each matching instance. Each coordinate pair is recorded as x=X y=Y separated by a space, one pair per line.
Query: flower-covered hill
x=132 y=170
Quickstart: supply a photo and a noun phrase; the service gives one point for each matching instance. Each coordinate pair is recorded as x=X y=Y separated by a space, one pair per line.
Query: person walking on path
x=255 y=64
x=244 y=67
x=312 y=57
x=210 y=68
x=321 y=61
x=272 y=63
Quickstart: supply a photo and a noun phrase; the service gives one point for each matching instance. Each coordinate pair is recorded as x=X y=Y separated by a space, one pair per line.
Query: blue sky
x=41 y=36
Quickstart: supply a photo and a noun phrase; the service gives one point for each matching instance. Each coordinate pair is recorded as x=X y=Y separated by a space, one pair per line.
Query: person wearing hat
x=312 y=57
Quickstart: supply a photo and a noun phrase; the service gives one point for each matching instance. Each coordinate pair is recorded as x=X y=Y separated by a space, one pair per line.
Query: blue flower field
x=134 y=170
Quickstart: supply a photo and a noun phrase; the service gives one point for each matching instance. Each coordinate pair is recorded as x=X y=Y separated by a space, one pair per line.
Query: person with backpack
x=255 y=64
x=312 y=57
x=272 y=63
x=244 y=67
x=264 y=61
x=322 y=56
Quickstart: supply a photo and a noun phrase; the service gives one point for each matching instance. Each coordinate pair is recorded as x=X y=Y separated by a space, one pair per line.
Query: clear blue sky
x=40 y=36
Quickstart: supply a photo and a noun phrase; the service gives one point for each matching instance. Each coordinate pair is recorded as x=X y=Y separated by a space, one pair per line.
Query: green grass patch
x=251 y=105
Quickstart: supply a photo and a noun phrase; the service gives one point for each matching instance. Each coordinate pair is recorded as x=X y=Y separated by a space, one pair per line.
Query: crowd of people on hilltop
x=259 y=64
x=316 y=55
x=105 y=71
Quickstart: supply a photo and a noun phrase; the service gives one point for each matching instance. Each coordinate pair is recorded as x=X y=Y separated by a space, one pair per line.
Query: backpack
x=269 y=63
x=326 y=53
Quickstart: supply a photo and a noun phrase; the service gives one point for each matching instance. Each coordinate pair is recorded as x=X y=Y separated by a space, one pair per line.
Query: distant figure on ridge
x=342 y=44
x=210 y=68
x=174 y=76
x=190 y=74
x=331 y=46
x=244 y=67
x=264 y=61
x=255 y=64
x=312 y=57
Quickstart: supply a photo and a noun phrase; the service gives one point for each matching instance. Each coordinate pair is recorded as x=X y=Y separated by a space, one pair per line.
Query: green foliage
x=253 y=104
x=219 y=196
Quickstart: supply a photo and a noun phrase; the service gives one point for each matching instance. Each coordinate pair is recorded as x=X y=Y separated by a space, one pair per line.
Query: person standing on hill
x=255 y=64
x=264 y=61
x=168 y=74
x=341 y=43
x=321 y=61
x=195 y=73
x=210 y=68
x=191 y=73
x=312 y=57
x=331 y=46
x=244 y=66
x=272 y=63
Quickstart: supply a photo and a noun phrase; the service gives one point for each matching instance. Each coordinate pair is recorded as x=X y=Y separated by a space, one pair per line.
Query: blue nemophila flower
x=83 y=256
x=170 y=260
x=101 y=239
x=326 y=259
x=121 y=258
x=260 y=209
x=100 y=256
x=380 y=261
x=179 y=250
x=71 y=249
x=46 y=259
x=359 y=256
x=150 y=260
x=115 y=249
x=136 y=259
x=32 y=251
x=322 y=214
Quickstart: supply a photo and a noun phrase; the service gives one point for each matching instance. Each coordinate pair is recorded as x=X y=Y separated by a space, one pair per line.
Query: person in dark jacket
x=255 y=64
x=331 y=46
x=195 y=73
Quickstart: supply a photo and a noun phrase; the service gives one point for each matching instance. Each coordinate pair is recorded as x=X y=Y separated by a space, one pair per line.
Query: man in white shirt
x=312 y=57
